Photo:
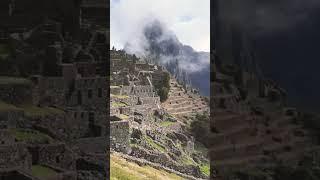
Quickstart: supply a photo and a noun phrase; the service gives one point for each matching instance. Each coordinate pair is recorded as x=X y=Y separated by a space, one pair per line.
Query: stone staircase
x=181 y=102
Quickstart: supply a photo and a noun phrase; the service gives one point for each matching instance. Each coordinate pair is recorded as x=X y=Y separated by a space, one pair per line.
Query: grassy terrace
x=31 y=136
x=6 y=80
x=166 y=123
x=205 y=169
x=34 y=111
x=118 y=104
x=120 y=169
x=124 y=117
x=30 y=110
x=119 y=96
x=154 y=144
x=43 y=172
x=4 y=51
x=7 y=107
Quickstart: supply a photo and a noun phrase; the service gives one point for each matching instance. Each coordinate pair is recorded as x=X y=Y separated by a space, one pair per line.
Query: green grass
x=7 y=107
x=42 y=172
x=205 y=169
x=31 y=136
x=34 y=111
x=166 y=123
x=119 y=96
x=118 y=104
x=4 y=51
x=154 y=145
x=120 y=169
x=6 y=80
x=187 y=160
x=199 y=147
x=124 y=117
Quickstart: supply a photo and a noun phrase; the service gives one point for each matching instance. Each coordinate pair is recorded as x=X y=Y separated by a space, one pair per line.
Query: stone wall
x=16 y=93
x=15 y=156
x=10 y=119
x=57 y=155
x=120 y=136
x=6 y=137
x=93 y=145
x=51 y=91
x=55 y=125
x=90 y=93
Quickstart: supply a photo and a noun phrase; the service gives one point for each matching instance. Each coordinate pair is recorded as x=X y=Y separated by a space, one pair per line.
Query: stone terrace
x=181 y=102
x=245 y=139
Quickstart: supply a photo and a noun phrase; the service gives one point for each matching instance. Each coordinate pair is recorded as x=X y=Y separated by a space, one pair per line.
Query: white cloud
x=188 y=19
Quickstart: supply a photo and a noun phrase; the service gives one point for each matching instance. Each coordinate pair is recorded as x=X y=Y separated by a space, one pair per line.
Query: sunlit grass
x=42 y=172
x=31 y=136
x=120 y=169
x=154 y=144
x=34 y=111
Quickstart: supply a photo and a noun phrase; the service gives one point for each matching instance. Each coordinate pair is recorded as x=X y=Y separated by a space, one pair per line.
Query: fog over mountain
x=286 y=41
x=156 y=43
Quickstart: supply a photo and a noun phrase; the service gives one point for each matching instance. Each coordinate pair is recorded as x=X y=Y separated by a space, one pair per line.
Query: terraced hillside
x=145 y=129
x=182 y=102
x=253 y=128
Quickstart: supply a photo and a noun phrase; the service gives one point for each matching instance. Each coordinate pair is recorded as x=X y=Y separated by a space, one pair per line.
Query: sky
x=188 y=19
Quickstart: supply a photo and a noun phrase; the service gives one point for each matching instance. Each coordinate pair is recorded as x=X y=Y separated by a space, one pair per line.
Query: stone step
x=174 y=100
x=180 y=108
x=183 y=104
x=182 y=113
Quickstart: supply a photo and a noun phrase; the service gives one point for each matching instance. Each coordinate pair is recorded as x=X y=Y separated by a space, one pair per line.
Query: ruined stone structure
x=141 y=125
x=54 y=90
x=120 y=135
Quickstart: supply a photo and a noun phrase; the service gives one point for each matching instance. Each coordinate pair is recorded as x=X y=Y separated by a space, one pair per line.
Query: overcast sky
x=188 y=19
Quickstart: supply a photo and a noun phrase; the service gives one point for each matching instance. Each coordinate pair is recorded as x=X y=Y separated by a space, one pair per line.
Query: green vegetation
x=166 y=123
x=154 y=144
x=4 y=51
x=7 y=107
x=31 y=136
x=163 y=88
x=187 y=160
x=119 y=96
x=205 y=169
x=118 y=104
x=42 y=172
x=120 y=169
x=200 y=128
x=34 y=111
x=122 y=116
x=6 y=80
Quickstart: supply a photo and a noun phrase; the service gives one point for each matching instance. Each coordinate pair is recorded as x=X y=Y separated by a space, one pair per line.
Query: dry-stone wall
x=10 y=119
x=16 y=93
x=57 y=155
x=6 y=137
x=14 y=156
x=119 y=136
